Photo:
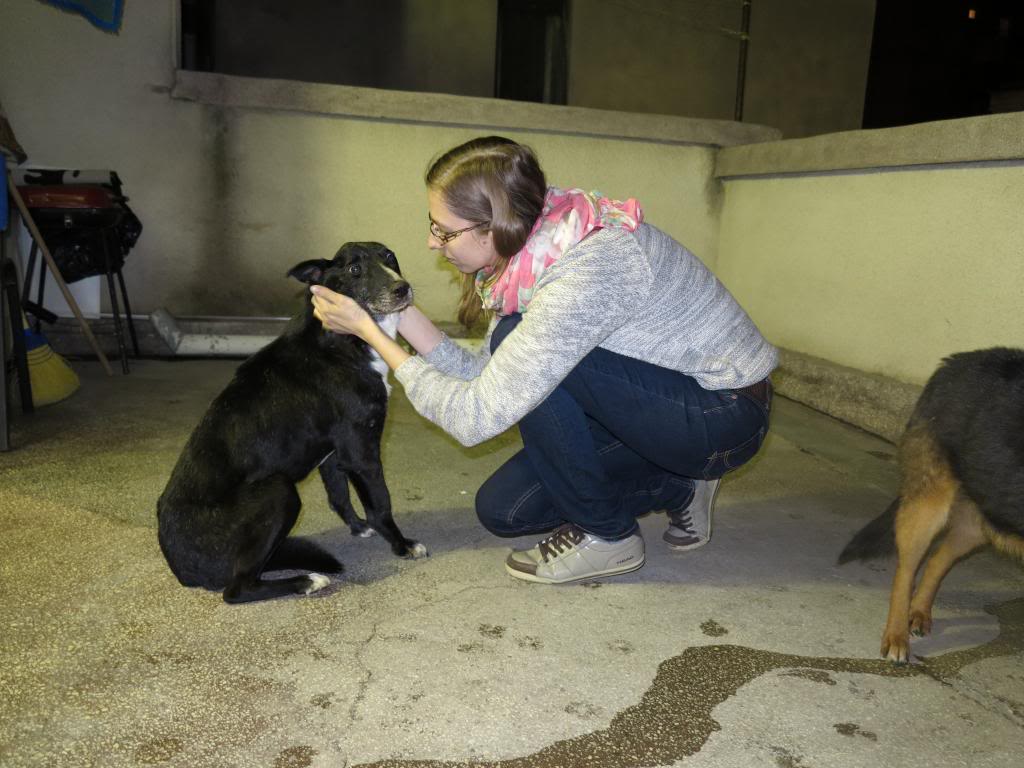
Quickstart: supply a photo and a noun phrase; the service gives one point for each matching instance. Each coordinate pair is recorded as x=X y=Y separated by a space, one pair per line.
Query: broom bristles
x=49 y=374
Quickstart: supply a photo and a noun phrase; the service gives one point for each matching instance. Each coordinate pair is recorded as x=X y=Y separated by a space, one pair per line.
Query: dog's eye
x=355 y=270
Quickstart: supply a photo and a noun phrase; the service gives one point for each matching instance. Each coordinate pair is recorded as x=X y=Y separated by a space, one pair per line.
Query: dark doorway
x=532 y=57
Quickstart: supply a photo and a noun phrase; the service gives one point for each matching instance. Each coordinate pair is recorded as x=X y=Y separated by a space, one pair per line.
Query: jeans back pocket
x=721 y=462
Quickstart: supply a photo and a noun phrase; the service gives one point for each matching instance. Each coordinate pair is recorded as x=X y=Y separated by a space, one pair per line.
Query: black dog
x=962 y=459
x=310 y=398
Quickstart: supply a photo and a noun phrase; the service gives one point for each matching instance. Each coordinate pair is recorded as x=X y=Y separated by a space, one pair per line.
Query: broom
x=49 y=374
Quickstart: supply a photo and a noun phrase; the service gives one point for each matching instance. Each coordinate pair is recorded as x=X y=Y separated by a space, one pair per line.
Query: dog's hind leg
x=964 y=536
x=335 y=481
x=265 y=513
x=929 y=489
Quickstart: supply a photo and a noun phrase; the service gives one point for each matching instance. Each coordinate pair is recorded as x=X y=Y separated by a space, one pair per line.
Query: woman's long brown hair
x=494 y=181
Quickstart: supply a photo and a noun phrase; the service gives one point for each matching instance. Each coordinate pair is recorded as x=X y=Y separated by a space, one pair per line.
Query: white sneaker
x=570 y=554
x=691 y=528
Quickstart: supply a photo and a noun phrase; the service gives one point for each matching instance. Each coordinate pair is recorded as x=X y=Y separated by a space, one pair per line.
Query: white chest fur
x=388 y=324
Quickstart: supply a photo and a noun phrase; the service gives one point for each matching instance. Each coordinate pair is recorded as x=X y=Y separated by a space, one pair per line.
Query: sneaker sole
x=685 y=547
x=541 y=580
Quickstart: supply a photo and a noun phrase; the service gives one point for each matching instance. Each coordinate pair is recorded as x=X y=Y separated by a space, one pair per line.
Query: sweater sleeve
x=582 y=298
x=452 y=359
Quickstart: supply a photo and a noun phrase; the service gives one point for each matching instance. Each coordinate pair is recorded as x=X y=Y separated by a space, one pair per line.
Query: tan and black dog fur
x=962 y=463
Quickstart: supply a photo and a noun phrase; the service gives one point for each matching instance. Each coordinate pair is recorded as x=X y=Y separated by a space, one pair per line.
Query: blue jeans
x=616 y=439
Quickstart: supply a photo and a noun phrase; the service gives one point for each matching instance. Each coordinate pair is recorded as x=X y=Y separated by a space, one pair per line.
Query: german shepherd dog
x=962 y=463
x=308 y=399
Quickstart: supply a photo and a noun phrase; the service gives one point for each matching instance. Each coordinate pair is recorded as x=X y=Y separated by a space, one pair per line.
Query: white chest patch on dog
x=388 y=324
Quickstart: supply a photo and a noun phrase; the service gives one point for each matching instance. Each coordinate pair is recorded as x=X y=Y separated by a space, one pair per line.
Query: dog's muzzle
x=396 y=300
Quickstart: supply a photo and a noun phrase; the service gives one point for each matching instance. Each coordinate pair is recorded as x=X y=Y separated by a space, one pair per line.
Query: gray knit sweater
x=640 y=294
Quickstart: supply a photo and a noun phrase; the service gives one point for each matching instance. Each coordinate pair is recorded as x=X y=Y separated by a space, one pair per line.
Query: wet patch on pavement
x=712 y=628
x=852 y=729
x=688 y=687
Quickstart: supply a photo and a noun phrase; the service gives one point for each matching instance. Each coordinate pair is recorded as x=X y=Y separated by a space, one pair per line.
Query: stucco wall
x=232 y=193
x=808 y=66
x=884 y=250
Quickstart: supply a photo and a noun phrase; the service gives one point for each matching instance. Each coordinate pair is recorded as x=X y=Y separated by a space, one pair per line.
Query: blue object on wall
x=105 y=14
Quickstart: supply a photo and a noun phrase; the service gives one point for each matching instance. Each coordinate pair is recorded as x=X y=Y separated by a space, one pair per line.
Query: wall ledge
x=877 y=404
x=463 y=111
x=970 y=140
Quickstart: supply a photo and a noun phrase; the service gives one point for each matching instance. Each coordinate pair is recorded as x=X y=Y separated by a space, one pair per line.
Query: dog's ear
x=309 y=272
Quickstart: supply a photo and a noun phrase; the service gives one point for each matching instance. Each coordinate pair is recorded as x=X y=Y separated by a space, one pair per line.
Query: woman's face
x=468 y=252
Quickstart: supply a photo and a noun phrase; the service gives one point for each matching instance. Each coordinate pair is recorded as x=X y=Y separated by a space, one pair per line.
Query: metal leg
x=39 y=297
x=118 y=330
x=10 y=288
x=128 y=313
x=28 y=271
x=5 y=427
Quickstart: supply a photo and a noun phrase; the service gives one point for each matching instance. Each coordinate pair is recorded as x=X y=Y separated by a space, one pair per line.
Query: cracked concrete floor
x=754 y=650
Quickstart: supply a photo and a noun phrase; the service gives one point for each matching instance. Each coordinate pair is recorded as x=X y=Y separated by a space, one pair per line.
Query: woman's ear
x=485 y=237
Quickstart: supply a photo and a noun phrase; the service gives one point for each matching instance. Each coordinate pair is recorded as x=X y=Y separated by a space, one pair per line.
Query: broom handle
x=31 y=224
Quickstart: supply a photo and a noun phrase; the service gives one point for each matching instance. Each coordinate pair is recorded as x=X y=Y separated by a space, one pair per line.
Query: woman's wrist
x=385 y=346
x=417 y=329
x=367 y=328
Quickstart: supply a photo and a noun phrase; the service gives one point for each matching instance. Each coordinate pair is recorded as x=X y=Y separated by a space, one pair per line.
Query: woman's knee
x=503 y=329
x=488 y=510
x=506 y=507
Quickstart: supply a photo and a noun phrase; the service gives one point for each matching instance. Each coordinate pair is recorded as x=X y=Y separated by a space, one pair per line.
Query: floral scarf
x=567 y=217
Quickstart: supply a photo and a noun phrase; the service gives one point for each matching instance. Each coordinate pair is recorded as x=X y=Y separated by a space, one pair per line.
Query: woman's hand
x=339 y=313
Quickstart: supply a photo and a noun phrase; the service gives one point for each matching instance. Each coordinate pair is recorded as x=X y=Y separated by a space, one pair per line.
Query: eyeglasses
x=446 y=237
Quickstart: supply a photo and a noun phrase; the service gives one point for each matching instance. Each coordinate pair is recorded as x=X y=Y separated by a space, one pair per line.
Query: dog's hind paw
x=365 y=533
x=920 y=623
x=316 y=583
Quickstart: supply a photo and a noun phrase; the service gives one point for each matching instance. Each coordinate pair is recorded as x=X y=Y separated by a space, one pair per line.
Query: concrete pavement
x=756 y=650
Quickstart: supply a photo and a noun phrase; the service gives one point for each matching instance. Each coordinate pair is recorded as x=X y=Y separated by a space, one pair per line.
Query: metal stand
x=10 y=314
x=68 y=297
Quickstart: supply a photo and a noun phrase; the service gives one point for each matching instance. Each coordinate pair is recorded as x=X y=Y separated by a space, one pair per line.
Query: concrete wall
x=885 y=272
x=880 y=251
x=808 y=65
x=806 y=70
x=871 y=253
x=414 y=45
x=238 y=179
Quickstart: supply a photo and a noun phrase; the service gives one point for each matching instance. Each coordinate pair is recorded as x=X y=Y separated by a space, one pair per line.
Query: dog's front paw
x=417 y=550
x=409 y=549
x=316 y=583
x=896 y=647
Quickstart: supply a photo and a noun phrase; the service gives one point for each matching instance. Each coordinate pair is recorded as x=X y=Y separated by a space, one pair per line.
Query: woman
x=636 y=379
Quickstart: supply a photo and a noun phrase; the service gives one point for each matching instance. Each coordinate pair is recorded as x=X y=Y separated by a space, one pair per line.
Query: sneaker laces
x=684 y=522
x=566 y=537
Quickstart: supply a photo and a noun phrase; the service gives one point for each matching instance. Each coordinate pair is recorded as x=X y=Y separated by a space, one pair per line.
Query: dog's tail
x=876 y=539
x=300 y=554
